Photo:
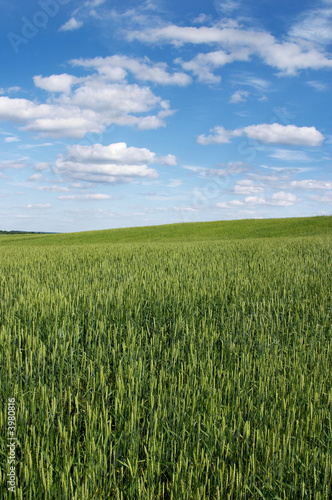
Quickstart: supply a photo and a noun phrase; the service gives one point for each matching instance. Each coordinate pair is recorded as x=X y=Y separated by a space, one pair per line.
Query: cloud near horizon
x=279 y=199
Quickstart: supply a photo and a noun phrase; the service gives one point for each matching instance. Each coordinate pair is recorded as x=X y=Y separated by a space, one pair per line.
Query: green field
x=188 y=361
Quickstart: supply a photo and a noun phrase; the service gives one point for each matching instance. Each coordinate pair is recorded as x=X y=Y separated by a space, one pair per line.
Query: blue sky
x=118 y=114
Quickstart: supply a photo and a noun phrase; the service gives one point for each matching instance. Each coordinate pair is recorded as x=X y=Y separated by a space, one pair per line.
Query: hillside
x=198 y=231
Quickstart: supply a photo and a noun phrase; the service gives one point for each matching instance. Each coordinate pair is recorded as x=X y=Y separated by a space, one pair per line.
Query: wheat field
x=171 y=369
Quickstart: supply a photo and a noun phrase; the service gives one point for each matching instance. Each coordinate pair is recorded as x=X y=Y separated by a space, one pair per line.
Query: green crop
x=168 y=369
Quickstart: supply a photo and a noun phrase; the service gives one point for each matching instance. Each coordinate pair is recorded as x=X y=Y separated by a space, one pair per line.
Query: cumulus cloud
x=92 y=106
x=219 y=136
x=274 y=133
x=290 y=135
x=114 y=163
x=49 y=119
x=55 y=83
x=117 y=67
x=169 y=160
x=71 y=25
x=95 y=101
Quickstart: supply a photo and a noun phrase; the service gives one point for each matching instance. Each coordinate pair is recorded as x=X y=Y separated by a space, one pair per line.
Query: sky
x=121 y=113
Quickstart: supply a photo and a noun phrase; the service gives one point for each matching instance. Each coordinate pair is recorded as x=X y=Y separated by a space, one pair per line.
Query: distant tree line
x=25 y=232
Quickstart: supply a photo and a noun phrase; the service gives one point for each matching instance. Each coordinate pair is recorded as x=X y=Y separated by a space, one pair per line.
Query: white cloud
x=12 y=138
x=290 y=135
x=32 y=146
x=106 y=164
x=178 y=35
x=56 y=83
x=219 y=136
x=185 y=209
x=230 y=204
x=247 y=186
x=94 y=3
x=237 y=43
x=322 y=199
x=319 y=86
x=290 y=155
x=283 y=199
x=315 y=25
x=91 y=107
x=117 y=153
x=12 y=164
x=167 y=160
x=253 y=81
x=48 y=119
x=311 y=184
x=71 y=25
x=40 y=166
x=35 y=177
x=115 y=68
x=291 y=57
x=96 y=196
x=201 y=19
x=95 y=95
x=203 y=65
x=174 y=183
x=226 y=7
x=239 y=96
x=13 y=89
x=39 y=205
x=54 y=188
x=279 y=199
x=224 y=170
